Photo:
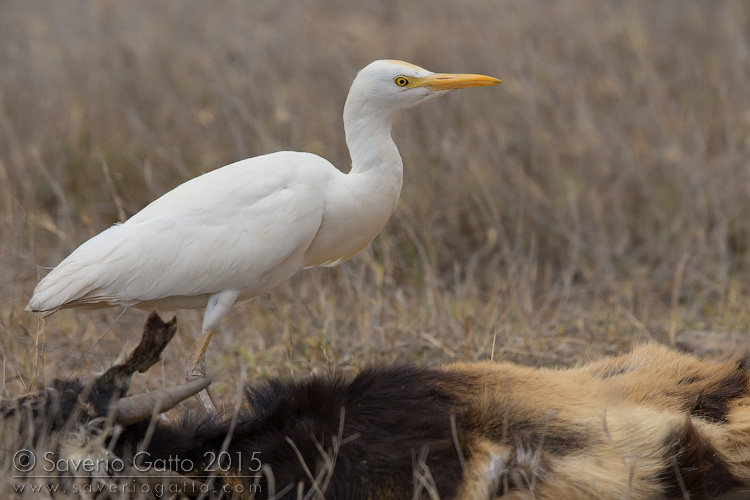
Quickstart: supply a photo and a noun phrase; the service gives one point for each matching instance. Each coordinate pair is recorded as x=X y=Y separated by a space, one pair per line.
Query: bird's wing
x=243 y=227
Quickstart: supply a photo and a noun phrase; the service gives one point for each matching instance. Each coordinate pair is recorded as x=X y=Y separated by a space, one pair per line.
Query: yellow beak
x=446 y=81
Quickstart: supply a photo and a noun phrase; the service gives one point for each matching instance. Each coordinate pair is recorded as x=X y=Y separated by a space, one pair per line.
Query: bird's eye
x=401 y=81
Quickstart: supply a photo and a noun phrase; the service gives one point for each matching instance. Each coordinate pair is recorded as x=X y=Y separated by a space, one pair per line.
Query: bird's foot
x=208 y=402
x=196 y=370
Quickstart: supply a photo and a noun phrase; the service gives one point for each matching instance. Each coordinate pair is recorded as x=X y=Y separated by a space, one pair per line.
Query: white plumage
x=229 y=229
x=243 y=229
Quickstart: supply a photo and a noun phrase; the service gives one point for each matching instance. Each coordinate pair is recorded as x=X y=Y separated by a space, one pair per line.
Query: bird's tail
x=77 y=281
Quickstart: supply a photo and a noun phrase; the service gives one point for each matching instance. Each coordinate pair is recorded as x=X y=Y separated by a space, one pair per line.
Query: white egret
x=241 y=230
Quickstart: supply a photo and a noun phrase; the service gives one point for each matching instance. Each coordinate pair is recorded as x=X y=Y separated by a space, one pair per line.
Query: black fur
x=694 y=468
x=713 y=404
x=393 y=417
x=501 y=424
x=387 y=433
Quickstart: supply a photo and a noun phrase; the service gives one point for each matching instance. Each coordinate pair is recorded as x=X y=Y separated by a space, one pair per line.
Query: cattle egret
x=241 y=230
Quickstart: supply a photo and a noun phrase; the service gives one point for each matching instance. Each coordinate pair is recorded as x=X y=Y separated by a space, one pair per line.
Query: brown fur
x=650 y=424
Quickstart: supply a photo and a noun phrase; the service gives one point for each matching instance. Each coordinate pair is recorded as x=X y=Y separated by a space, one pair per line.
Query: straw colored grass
x=598 y=198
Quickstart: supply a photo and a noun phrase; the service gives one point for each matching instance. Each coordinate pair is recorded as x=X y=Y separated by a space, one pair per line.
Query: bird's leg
x=196 y=369
x=196 y=366
x=217 y=307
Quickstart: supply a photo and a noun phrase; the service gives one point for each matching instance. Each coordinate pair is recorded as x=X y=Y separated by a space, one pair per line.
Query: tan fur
x=652 y=424
x=626 y=407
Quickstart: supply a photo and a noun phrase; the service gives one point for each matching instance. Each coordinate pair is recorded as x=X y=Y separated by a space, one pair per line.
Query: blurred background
x=598 y=198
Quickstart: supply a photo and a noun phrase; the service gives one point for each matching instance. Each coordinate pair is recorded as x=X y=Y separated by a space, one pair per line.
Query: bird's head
x=389 y=86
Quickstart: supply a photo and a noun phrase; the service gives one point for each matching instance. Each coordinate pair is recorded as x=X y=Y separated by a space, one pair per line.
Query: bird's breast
x=355 y=212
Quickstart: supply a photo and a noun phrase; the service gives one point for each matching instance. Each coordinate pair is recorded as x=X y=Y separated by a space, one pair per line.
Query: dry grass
x=598 y=198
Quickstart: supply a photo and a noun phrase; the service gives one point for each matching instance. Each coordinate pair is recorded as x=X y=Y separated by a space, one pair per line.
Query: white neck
x=368 y=136
x=359 y=203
